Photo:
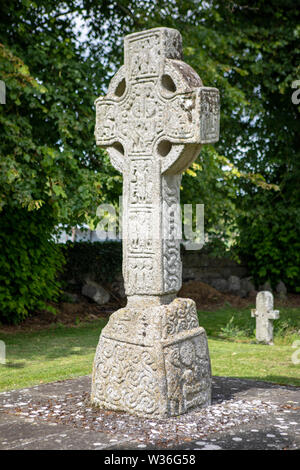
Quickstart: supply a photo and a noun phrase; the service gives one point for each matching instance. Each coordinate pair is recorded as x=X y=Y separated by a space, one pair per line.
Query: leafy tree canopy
x=57 y=57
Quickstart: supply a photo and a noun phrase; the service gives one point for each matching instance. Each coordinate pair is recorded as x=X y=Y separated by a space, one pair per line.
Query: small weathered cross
x=152 y=358
x=152 y=122
x=264 y=315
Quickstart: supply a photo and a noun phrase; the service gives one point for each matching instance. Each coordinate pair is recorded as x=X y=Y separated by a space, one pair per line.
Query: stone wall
x=204 y=267
x=90 y=264
x=224 y=274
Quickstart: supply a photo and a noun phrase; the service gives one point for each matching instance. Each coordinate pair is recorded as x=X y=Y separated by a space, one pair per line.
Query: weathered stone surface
x=264 y=315
x=244 y=414
x=267 y=286
x=234 y=284
x=220 y=284
x=153 y=122
x=281 y=289
x=196 y=265
x=95 y=292
x=247 y=285
x=153 y=361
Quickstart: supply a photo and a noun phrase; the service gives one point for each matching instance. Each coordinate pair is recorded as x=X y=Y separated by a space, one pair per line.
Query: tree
x=48 y=154
x=57 y=57
x=248 y=181
x=49 y=163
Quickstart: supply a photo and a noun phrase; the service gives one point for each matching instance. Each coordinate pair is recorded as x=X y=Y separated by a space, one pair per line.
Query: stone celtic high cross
x=152 y=357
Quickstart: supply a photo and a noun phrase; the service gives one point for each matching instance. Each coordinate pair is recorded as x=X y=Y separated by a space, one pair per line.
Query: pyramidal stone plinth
x=152 y=358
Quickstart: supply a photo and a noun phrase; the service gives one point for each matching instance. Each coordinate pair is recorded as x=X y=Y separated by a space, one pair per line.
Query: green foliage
x=65 y=70
x=234 y=330
x=286 y=329
x=49 y=163
x=47 y=150
x=104 y=259
x=237 y=325
x=29 y=263
x=269 y=241
x=57 y=57
x=250 y=52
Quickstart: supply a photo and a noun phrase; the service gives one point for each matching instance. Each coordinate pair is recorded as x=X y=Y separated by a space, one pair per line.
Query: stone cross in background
x=264 y=315
x=152 y=357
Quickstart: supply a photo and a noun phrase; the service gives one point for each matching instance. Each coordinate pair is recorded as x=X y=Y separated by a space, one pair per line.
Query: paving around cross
x=244 y=414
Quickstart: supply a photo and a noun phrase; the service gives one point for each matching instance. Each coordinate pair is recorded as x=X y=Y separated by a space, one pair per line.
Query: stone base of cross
x=152 y=358
x=264 y=315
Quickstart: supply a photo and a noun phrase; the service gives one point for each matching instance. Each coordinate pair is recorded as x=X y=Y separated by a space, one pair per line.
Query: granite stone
x=152 y=358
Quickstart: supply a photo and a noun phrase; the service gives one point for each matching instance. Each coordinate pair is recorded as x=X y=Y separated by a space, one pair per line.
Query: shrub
x=269 y=242
x=103 y=259
x=29 y=263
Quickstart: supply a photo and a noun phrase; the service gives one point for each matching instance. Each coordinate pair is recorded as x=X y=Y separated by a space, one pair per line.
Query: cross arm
x=273 y=314
x=108 y=119
x=270 y=314
x=192 y=115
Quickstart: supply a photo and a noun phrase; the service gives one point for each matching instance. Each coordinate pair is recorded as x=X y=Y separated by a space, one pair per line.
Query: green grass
x=237 y=324
x=234 y=351
x=48 y=355
x=254 y=361
x=62 y=352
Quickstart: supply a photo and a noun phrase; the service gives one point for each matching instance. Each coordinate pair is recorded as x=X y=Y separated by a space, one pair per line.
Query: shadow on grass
x=53 y=343
x=281 y=380
x=14 y=365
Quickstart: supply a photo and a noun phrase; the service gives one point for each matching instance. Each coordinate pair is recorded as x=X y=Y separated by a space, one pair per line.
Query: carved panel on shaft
x=172 y=266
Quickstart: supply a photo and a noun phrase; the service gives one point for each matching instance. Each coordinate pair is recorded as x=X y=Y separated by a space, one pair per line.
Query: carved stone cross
x=153 y=122
x=264 y=315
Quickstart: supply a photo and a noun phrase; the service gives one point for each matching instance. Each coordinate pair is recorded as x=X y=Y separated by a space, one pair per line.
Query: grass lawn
x=235 y=353
x=56 y=353
x=61 y=352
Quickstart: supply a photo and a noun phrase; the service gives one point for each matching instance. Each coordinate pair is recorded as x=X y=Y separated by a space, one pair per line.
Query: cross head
x=153 y=121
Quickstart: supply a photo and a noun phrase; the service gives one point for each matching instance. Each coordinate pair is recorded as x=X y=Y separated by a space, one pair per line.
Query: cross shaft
x=153 y=122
